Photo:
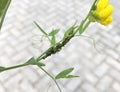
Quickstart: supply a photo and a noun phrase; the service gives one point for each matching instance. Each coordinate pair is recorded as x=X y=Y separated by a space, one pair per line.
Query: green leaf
x=64 y=73
x=81 y=28
x=33 y=61
x=71 y=76
x=42 y=30
x=2 y=68
x=53 y=41
x=54 y=32
x=70 y=30
x=40 y=64
x=4 y=4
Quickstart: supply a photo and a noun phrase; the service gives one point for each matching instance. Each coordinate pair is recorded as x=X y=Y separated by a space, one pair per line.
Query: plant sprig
x=55 y=46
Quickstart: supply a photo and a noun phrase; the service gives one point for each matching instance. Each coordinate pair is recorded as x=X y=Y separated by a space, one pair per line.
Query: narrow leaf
x=71 y=76
x=42 y=30
x=53 y=41
x=70 y=30
x=54 y=32
x=64 y=73
x=81 y=28
x=40 y=64
x=4 y=4
x=33 y=61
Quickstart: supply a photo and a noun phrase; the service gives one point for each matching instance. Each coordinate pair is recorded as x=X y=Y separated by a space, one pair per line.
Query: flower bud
x=105 y=12
x=102 y=4
x=107 y=21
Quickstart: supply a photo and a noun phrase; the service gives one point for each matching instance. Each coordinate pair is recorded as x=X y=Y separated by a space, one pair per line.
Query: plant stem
x=87 y=24
x=50 y=77
x=14 y=67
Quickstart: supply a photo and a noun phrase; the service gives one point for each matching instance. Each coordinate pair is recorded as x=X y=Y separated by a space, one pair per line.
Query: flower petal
x=106 y=12
x=107 y=21
x=102 y=4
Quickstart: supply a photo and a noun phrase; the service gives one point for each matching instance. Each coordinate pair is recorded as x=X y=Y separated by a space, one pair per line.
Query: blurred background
x=95 y=55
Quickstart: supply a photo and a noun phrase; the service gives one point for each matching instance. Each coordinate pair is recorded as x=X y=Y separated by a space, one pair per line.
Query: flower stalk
x=102 y=13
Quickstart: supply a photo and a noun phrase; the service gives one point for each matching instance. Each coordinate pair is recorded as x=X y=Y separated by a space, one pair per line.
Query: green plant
x=93 y=16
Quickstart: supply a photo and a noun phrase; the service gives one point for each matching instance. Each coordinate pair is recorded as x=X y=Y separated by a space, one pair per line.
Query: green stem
x=87 y=24
x=84 y=21
x=14 y=67
x=50 y=77
x=93 y=5
x=43 y=54
x=90 y=9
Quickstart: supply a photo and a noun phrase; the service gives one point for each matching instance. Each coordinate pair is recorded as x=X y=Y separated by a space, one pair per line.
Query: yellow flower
x=107 y=21
x=102 y=4
x=103 y=12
